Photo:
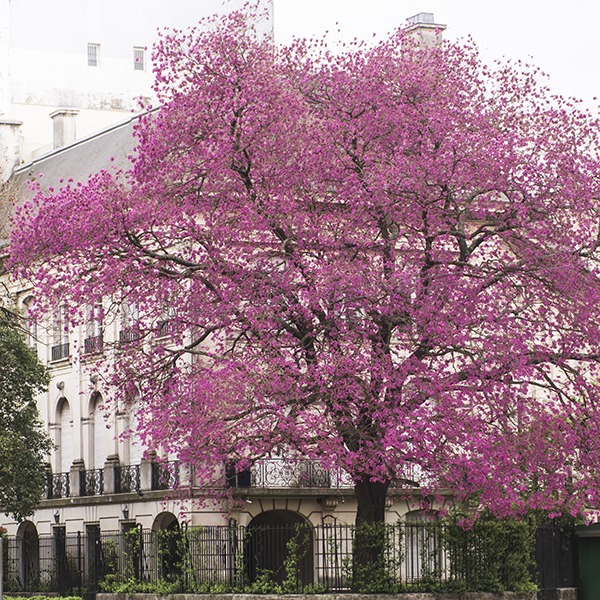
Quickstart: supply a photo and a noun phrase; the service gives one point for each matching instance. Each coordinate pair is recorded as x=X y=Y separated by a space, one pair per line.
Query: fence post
x=1 y=566
x=184 y=543
x=62 y=569
x=79 y=561
x=140 y=555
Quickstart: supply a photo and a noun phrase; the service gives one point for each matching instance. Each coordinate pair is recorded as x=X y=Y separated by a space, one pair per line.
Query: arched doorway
x=280 y=546
x=29 y=555
x=423 y=546
x=168 y=542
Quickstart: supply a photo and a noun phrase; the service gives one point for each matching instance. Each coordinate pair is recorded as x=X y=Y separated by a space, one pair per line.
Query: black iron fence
x=290 y=558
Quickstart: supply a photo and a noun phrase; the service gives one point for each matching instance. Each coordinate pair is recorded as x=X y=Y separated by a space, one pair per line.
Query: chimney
x=423 y=29
x=10 y=146
x=63 y=126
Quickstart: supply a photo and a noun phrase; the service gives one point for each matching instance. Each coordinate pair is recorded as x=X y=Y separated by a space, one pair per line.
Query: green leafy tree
x=23 y=443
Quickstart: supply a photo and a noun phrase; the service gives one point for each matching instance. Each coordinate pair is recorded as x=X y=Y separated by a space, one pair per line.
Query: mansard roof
x=108 y=149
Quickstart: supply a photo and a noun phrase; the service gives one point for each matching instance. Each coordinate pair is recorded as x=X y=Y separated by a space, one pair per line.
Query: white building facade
x=92 y=57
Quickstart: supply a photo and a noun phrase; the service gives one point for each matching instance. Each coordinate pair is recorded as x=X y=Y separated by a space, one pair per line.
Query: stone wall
x=566 y=594
x=415 y=596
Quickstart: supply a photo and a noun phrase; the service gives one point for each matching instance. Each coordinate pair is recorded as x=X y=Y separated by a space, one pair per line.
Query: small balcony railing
x=58 y=485
x=164 y=328
x=59 y=352
x=92 y=482
x=93 y=345
x=165 y=475
x=127 y=335
x=127 y=479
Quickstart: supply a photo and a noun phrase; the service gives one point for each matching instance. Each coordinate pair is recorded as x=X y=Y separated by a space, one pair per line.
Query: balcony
x=165 y=328
x=93 y=345
x=281 y=473
x=113 y=479
x=59 y=352
x=285 y=473
x=127 y=335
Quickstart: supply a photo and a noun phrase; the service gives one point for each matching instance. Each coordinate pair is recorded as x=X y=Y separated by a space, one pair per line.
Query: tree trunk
x=370 y=497
x=369 y=555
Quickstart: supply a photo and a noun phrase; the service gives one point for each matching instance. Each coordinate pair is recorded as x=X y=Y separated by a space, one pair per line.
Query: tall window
x=60 y=334
x=31 y=324
x=139 y=58
x=136 y=450
x=93 y=55
x=130 y=326
x=94 y=329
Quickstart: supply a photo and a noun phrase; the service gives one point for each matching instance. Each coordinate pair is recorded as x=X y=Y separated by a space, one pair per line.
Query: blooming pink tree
x=383 y=259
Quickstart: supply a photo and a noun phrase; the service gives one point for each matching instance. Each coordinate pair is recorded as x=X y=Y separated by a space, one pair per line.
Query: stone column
x=76 y=476
x=146 y=472
x=110 y=474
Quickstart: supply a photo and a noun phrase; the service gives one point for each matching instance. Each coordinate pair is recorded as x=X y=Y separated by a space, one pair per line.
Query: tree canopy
x=23 y=443
x=383 y=259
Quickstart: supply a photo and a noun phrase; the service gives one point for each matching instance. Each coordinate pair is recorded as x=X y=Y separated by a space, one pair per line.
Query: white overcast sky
x=560 y=37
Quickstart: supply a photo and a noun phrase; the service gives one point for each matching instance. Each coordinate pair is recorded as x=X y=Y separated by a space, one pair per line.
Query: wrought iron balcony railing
x=286 y=473
x=127 y=479
x=303 y=473
x=165 y=475
x=127 y=335
x=164 y=328
x=92 y=482
x=59 y=352
x=58 y=485
x=93 y=345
